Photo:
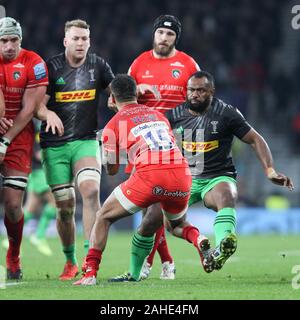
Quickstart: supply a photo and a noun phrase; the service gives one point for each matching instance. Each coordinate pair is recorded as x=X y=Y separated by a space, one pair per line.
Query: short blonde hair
x=76 y=23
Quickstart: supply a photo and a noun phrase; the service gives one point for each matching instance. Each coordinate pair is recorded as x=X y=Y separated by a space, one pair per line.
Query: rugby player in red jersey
x=161 y=176
x=23 y=80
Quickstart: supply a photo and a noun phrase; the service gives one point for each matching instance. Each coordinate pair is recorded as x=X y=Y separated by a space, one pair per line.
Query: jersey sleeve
x=238 y=124
x=194 y=66
x=106 y=73
x=37 y=72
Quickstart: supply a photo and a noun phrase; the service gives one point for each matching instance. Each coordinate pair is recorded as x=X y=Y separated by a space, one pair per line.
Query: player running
x=206 y=126
x=161 y=176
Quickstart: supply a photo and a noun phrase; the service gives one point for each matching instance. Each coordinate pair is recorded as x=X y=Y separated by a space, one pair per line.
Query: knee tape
x=63 y=193
x=88 y=174
x=15 y=182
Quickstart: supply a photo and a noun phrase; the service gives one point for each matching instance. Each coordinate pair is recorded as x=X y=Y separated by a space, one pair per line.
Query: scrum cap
x=9 y=26
x=169 y=22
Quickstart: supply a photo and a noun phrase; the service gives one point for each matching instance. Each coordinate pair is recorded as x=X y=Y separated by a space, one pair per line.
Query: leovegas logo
x=72 y=96
x=200 y=146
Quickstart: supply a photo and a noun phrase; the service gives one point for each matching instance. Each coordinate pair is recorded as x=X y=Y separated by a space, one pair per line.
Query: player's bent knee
x=228 y=200
x=88 y=174
x=15 y=182
x=63 y=193
x=89 y=190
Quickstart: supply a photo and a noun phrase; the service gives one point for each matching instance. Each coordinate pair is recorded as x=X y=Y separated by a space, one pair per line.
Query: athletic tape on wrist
x=4 y=143
x=271 y=173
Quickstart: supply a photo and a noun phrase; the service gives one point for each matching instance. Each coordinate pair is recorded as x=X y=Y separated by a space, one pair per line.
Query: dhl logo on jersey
x=200 y=146
x=74 y=96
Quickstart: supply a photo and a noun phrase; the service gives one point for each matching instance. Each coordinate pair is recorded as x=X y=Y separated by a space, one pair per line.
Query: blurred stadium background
x=251 y=49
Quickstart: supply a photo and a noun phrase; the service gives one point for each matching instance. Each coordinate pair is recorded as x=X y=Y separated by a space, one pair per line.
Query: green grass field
x=260 y=269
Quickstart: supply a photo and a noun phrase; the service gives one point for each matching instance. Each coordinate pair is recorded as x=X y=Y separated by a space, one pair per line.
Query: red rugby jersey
x=169 y=75
x=28 y=70
x=145 y=136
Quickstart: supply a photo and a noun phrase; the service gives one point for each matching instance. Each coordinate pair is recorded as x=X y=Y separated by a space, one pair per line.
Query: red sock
x=158 y=234
x=93 y=258
x=191 y=234
x=14 y=234
x=163 y=249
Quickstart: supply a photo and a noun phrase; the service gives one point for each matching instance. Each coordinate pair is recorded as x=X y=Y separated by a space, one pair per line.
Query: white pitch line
x=10 y=284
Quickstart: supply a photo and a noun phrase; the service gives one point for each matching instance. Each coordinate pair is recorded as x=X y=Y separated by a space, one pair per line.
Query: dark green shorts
x=37 y=182
x=58 y=162
x=201 y=186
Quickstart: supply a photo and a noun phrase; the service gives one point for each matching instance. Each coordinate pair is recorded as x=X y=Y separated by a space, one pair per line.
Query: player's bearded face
x=164 y=41
x=10 y=47
x=199 y=106
x=199 y=94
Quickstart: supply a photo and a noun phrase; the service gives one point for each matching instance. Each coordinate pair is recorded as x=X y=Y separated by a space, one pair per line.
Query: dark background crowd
x=249 y=46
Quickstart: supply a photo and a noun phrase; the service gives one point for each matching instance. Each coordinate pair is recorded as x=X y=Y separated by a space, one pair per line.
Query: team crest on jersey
x=92 y=75
x=214 y=126
x=176 y=73
x=17 y=75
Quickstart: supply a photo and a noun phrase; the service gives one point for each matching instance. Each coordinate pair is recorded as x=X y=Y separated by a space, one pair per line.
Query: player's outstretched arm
x=264 y=154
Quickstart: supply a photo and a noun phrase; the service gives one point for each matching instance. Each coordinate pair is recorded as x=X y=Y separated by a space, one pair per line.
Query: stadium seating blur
x=249 y=46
